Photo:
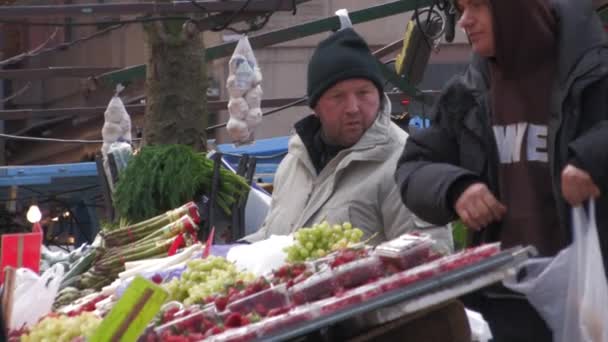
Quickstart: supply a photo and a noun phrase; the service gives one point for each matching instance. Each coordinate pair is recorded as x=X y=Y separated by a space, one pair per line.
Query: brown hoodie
x=522 y=75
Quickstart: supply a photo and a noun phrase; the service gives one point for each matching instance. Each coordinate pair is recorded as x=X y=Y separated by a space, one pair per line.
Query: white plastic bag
x=480 y=330
x=34 y=295
x=245 y=93
x=262 y=256
x=586 y=314
x=570 y=291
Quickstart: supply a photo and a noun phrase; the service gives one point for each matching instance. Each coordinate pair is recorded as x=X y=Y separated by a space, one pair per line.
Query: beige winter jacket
x=356 y=186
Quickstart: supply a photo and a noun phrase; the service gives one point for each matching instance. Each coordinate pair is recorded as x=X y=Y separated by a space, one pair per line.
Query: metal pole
x=29 y=113
x=144 y=7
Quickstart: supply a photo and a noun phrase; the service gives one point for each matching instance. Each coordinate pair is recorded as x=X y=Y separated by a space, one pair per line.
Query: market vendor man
x=518 y=140
x=340 y=163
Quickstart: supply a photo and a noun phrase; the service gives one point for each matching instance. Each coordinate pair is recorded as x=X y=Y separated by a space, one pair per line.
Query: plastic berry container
x=406 y=278
x=287 y=320
x=273 y=298
x=198 y=321
x=358 y=272
x=407 y=251
x=242 y=334
x=468 y=257
x=319 y=286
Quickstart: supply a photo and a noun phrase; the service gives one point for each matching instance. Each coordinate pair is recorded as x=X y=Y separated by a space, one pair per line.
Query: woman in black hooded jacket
x=518 y=139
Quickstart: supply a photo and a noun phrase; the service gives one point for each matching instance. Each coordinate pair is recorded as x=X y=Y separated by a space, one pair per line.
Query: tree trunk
x=176 y=85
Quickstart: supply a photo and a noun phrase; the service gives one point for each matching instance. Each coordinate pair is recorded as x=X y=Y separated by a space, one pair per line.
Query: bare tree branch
x=17 y=93
x=30 y=53
x=41 y=50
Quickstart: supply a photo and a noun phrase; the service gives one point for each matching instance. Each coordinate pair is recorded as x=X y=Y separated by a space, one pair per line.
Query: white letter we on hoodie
x=510 y=141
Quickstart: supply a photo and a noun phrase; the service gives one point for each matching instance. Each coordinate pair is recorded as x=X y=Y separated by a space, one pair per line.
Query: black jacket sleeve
x=590 y=148
x=426 y=172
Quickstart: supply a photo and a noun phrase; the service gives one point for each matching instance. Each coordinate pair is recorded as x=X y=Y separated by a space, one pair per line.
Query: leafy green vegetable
x=162 y=177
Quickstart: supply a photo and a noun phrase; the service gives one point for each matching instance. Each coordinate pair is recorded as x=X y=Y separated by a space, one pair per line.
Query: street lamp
x=33 y=214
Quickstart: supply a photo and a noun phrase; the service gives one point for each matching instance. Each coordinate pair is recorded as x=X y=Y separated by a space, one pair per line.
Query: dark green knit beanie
x=343 y=55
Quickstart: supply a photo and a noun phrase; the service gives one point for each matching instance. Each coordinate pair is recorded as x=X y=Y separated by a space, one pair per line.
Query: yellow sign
x=128 y=319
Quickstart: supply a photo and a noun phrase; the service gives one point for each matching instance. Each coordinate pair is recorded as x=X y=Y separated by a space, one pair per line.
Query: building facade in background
x=283 y=67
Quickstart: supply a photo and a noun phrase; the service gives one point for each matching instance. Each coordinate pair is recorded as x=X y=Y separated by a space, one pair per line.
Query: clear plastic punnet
x=262 y=302
x=349 y=298
x=407 y=251
x=198 y=321
x=406 y=278
x=242 y=334
x=468 y=256
x=295 y=316
x=318 y=286
x=358 y=272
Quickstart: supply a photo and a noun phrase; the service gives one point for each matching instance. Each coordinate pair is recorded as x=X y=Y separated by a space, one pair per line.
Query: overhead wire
x=94 y=23
x=289 y=105
x=57 y=140
x=16 y=94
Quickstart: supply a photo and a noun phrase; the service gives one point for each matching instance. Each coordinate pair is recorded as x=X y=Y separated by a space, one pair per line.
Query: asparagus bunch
x=135 y=232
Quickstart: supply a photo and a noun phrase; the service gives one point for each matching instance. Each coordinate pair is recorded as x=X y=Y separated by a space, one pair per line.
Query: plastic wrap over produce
x=245 y=93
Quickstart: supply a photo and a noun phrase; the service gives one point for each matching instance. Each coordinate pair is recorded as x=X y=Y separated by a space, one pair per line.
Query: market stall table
x=421 y=295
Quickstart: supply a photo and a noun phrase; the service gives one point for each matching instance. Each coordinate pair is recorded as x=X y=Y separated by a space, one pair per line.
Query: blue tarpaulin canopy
x=269 y=153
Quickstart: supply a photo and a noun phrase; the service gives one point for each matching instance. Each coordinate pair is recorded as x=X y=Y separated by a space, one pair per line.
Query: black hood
x=579 y=30
x=525 y=36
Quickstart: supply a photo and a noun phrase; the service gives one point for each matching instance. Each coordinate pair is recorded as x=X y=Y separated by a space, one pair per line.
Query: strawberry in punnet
x=209 y=300
x=348 y=255
x=261 y=309
x=173 y=338
x=195 y=337
x=215 y=330
x=220 y=303
x=260 y=284
x=157 y=278
x=169 y=314
x=235 y=320
x=278 y=311
x=290 y=274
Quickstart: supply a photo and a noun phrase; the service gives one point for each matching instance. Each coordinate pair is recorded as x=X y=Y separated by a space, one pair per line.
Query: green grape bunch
x=204 y=278
x=322 y=239
x=63 y=328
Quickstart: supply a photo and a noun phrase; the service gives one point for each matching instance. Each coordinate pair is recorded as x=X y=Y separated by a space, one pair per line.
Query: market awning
x=70 y=192
x=269 y=153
